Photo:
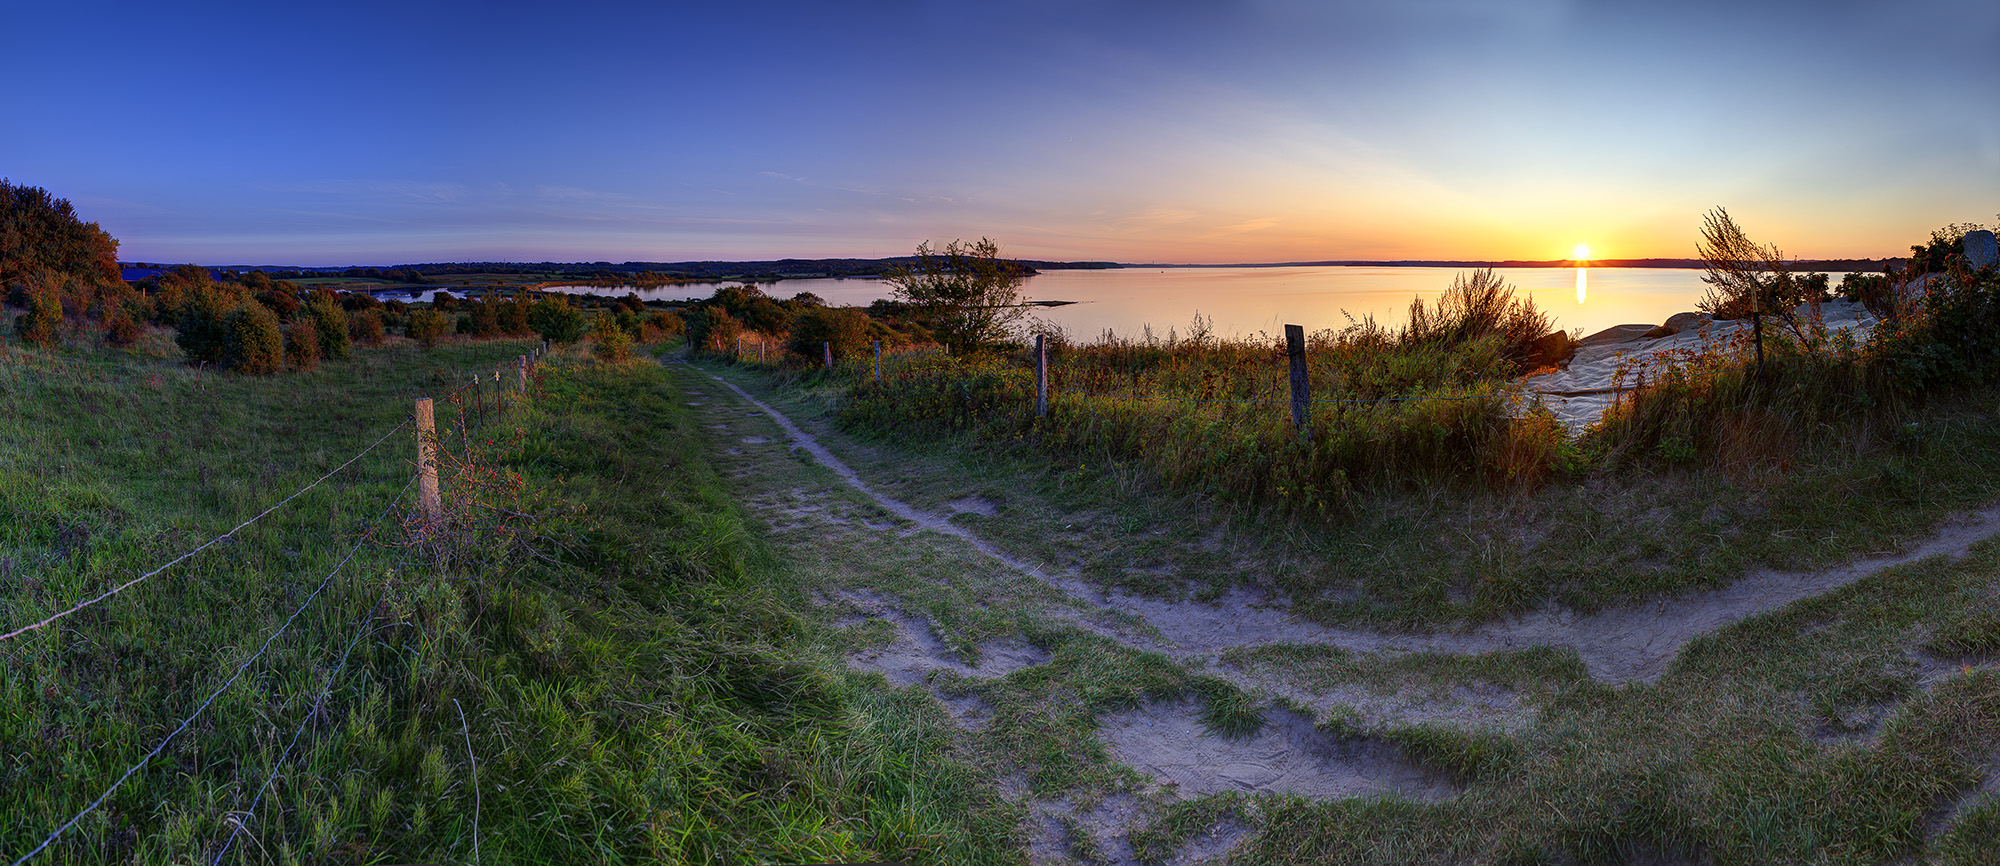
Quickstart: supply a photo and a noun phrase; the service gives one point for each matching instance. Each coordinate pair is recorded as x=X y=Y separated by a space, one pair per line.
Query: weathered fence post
x=521 y=381
x=828 y=349
x=1041 y=375
x=760 y=351
x=1295 y=348
x=878 y=361
x=427 y=467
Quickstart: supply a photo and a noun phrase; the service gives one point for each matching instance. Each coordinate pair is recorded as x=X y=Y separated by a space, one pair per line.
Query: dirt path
x=831 y=517
x=1617 y=645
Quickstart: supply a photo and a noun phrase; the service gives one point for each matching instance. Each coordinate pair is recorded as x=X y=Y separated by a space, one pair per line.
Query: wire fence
x=471 y=399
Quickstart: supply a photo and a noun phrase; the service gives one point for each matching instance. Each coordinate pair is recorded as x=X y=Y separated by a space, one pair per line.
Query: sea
x=1248 y=301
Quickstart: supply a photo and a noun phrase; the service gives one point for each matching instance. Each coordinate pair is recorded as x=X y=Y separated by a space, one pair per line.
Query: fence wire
x=365 y=536
x=211 y=542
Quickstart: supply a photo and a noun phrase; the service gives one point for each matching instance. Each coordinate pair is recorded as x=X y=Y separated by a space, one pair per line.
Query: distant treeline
x=654 y=273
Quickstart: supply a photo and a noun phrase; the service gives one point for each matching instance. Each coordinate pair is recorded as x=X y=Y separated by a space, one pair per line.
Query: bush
x=659 y=326
x=119 y=328
x=198 y=324
x=612 y=344
x=710 y=329
x=427 y=327
x=513 y=316
x=365 y=327
x=45 y=314
x=252 y=340
x=302 y=344
x=556 y=321
x=846 y=328
x=330 y=322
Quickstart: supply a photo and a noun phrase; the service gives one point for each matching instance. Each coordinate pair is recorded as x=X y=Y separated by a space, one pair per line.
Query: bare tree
x=1746 y=278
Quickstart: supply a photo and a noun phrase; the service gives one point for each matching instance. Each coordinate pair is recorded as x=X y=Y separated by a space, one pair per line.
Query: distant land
x=773 y=270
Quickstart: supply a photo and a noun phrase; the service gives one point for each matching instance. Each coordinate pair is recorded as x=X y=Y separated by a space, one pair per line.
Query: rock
x=1551 y=348
x=1981 y=250
x=1616 y=334
x=1687 y=321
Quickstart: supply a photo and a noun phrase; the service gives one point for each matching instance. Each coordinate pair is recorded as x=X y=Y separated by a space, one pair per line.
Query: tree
x=426 y=327
x=1744 y=277
x=965 y=294
x=557 y=321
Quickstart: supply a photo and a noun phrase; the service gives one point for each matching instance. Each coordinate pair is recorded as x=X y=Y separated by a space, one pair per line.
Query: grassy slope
x=1842 y=729
x=632 y=682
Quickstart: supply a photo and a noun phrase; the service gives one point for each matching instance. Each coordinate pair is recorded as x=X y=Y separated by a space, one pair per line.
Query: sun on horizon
x=1581 y=253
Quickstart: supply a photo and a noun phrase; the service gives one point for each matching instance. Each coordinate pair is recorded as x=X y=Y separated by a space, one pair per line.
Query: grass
x=635 y=686
x=1849 y=728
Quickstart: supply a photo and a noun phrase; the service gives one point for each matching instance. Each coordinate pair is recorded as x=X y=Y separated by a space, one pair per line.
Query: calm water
x=1244 y=301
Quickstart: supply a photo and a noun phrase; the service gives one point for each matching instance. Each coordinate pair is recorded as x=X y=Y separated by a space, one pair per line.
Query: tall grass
x=633 y=684
x=1420 y=405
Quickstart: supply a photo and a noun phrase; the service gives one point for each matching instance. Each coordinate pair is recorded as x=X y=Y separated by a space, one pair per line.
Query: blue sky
x=1155 y=131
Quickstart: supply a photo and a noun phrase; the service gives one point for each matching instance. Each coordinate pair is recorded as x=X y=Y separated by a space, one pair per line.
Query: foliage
x=44 y=313
x=964 y=294
x=39 y=232
x=1745 y=278
x=365 y=327
x=1478 y=308
x=1419 y=406
x=712 y=329
x=252 y=341
x=556 y=321
x=302 y=345
x=330 y=322
x=846 y=329
x=427 y=327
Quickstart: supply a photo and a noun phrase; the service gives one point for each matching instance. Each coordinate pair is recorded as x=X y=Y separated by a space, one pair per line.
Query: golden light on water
x=1580 y=280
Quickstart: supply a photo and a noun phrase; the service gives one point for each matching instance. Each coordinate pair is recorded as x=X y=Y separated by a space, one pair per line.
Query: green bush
x=612 y=344
x=38 y=325
x=330 y=322
x=253 y=342
x=427 y=327
x=711 y=329
x=556 y=321
x=845 y=328
x=198 y=324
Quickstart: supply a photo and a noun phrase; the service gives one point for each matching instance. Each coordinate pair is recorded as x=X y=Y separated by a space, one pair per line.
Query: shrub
x=330 y=322
x=659 y=326
x=365 y=327
x=198 y=324
x=484 y=319
x=513 y=316
x=119 y=328
x=612 y=344
x=846 y=328
x=283 y=302
x=252 y=341
x=302 y=344
x=556 y=321
x=427 y=327
x=38 y=325
x=710 y=329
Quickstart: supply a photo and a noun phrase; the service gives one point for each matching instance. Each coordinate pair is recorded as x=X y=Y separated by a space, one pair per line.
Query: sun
x=1581 y=253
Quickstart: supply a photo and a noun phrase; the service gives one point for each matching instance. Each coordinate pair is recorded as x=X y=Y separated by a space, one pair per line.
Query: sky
x=1179 y=131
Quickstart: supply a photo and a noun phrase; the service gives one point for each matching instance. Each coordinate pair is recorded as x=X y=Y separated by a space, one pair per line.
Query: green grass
x=635 y=685
x=1843 y=729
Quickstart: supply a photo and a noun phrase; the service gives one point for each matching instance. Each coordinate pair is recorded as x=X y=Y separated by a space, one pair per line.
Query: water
x=1246 y=301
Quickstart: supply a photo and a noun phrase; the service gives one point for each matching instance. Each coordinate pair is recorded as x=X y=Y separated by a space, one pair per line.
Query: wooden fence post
x=760 y=351
x=828 y=349
x=1295 y=348
x=1041 y=375
x=878 y=361
x=427 y=467
x=521 y=381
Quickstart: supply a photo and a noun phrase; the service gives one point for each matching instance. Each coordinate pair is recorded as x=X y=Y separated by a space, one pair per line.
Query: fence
x=475 y=400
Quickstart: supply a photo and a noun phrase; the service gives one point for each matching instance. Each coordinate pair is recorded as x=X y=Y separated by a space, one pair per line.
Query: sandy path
x=1616 y=645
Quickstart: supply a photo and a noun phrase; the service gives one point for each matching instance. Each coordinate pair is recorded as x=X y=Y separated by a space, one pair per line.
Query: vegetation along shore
x=718 y=582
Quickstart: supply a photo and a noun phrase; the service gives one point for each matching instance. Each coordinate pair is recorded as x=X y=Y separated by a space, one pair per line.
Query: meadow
x=592 y=661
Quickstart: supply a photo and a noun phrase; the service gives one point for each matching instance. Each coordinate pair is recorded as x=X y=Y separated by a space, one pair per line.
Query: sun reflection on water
x=1581 y=280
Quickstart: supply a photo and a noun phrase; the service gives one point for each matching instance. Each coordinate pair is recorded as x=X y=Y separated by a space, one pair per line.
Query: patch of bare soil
x=1169 y=742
